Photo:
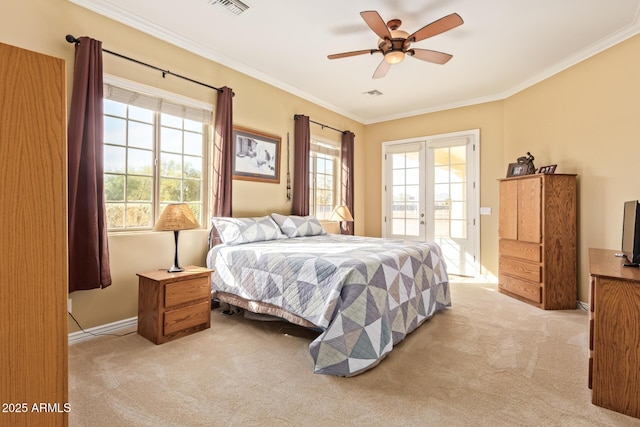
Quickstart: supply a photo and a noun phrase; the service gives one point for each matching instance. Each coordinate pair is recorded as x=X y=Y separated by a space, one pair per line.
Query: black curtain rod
x=72 y=39
x=297 y=116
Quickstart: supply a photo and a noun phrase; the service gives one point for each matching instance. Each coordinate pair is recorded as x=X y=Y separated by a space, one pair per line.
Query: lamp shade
x=176 y=216
x=341 y=213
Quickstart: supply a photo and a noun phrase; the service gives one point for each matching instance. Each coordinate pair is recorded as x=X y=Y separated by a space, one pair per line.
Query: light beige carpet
x=489 y=360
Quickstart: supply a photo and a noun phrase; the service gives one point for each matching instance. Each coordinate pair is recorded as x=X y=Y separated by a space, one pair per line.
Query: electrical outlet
x=69 y=305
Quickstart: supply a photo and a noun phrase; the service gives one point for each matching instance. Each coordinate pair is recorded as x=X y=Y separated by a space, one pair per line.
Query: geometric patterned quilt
x=364 y=294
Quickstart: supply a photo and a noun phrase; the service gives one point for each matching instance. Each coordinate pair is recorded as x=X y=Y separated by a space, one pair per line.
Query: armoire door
x=508 y=221
x=530 y=210
x=33 y=247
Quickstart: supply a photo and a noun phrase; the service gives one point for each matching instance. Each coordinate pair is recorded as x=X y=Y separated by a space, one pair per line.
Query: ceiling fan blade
x=437 y=27
x=382 y=70
x=375 y=22
x=354 y=53
x=430 y=55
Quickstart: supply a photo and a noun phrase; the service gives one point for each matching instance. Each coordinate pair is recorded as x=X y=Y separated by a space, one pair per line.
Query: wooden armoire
x=537 y=240
x=33 y=242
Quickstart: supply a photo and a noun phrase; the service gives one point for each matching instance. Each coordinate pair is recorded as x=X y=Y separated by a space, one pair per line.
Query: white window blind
x=157 y=103
x=325 y=148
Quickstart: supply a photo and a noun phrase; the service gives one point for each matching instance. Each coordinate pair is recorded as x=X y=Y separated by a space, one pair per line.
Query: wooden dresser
x=33 y=247
x=537 y=240
x=172 y=305
x=614 y=333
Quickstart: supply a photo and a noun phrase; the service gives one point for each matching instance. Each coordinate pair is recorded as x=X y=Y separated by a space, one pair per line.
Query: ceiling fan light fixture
x=395 y=44
x=394 y=56
x=399 y=34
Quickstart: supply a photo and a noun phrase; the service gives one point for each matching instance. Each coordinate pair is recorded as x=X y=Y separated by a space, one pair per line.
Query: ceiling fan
x=394 y=44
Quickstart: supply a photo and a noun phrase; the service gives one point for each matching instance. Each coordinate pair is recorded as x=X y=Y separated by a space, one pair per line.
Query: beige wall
x=584 y=119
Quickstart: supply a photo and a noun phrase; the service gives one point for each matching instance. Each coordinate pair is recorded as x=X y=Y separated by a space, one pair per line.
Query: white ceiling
x=503 y=46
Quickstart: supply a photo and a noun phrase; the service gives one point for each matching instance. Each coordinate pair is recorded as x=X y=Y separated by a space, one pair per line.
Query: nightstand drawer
x=186 y=317
x=185 y=291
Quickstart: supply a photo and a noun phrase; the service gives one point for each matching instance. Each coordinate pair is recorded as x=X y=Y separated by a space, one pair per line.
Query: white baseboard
x=109 y=328
x=583 y=306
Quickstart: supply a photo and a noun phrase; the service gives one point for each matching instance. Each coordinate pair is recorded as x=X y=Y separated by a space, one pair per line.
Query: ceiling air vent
x=372 y=93
x=234 y=6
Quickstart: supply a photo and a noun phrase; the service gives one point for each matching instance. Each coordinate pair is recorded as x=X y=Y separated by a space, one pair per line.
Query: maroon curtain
x=88 y=245
x=302 y=148
x=347 y=179
x=223 y=154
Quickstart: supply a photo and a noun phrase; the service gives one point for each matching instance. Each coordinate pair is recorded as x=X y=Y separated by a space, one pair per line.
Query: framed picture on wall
x=256 y=156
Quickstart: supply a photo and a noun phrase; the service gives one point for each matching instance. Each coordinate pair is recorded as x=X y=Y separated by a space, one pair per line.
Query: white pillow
x=235 y=231
x=299 y=226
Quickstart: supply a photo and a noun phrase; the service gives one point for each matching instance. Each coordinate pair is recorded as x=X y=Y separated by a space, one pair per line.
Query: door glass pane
x=397 y=226
x=441 y=193
x=413 y=228
x=413 y=176
x=458 y=229
x=441 y=174
x=398 y=177
x=458 y=210
x=413 y=193
x=458 y=155
x=458 y=192
x=450 y=176
x=441 y=156
x=397 y=161
x=406 y=194
x=458 y=173
x=441 y=228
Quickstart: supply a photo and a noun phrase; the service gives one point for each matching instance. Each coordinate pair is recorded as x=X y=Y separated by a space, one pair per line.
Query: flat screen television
x=631 y=232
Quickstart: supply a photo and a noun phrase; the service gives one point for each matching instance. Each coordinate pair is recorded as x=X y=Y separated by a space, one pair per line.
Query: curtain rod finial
x=71 y=39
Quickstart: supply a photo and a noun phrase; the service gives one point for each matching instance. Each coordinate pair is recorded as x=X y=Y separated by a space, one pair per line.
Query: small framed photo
x=516 y=169
x=256 y=156
x=547 y=169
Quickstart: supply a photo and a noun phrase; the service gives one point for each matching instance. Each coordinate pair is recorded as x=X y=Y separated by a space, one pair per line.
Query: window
x=154 y=154
x=324 y=159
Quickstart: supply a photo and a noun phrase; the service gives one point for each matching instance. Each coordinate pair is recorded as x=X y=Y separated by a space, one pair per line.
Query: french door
x=431 y=193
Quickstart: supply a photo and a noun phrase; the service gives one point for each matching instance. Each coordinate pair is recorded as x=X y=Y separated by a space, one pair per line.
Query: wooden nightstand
x=172 y=305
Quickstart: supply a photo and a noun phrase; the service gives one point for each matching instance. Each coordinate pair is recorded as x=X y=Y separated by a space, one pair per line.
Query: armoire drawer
x=523 y=250
x=528 y=290
x=519 y=268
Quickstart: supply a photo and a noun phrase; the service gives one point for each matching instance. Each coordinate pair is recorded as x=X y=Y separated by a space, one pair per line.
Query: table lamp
x=341 y=213
x=176 y=217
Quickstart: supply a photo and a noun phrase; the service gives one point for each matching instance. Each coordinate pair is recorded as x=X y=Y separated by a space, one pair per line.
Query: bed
x=362 y=294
